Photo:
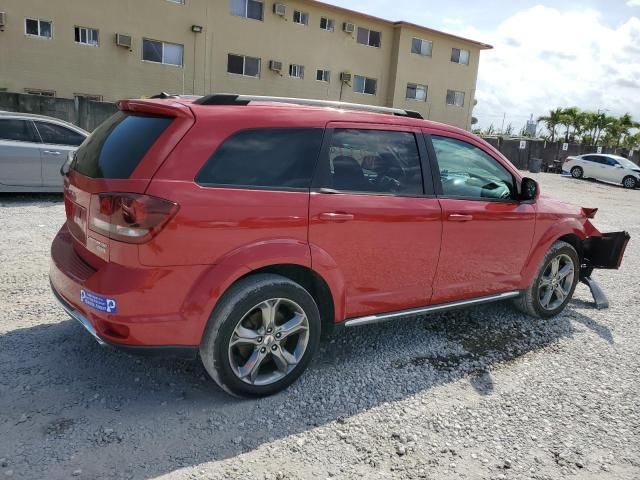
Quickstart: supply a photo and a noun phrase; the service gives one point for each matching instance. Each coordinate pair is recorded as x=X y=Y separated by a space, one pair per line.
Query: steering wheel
x=388 y=184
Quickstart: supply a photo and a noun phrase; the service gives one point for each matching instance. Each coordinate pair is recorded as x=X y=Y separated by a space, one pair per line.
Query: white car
x=608 y=168
x=32 y=150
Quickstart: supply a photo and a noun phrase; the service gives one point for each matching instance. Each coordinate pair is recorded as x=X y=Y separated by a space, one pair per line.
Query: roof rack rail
x=234 y=99
x=165 y=95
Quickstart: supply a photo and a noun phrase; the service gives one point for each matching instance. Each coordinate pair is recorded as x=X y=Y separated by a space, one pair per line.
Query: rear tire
x=629 y=182
x=261 y=336
x=554 y=283
x=577 y=172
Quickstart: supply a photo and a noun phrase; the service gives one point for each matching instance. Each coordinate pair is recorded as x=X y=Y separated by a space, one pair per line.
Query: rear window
x=116 y=147
x=265 y=158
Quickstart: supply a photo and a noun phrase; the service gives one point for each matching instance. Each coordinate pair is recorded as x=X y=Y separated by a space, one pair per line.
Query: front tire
x=261 y=336
x=577 y=172
x=554 y=283
x=630 y=182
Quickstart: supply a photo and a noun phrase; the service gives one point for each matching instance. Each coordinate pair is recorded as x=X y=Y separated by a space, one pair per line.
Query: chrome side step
x=383 y=317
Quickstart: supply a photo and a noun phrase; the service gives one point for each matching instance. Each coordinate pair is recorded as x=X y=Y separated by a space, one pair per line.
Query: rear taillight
x=129 y=217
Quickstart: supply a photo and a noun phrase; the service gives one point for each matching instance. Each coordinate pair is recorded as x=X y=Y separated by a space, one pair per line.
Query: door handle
x=336 y=217
x=457 y=217
x=52 y=152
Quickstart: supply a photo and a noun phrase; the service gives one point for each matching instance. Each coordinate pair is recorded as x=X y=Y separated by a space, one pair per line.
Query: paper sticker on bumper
x=97 y=302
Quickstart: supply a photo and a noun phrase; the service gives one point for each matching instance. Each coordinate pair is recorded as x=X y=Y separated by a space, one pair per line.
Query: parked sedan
x=32 y=150
x=608 y=168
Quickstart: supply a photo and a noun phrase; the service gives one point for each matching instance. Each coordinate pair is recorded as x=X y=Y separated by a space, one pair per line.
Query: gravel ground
x=485 y=393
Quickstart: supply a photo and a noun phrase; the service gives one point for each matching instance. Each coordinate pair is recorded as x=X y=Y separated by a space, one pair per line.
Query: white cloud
x=546 y=57
x=633 y=3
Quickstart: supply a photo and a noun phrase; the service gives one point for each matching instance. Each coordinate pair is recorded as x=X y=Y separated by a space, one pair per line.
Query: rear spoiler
x=156 y=107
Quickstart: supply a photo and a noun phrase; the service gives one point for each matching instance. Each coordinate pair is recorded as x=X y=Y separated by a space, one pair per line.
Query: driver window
x=375 y=161
x=468 y=172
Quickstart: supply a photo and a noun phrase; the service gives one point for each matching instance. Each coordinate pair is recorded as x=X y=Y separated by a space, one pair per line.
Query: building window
x=369 y=37
x=323 y=75
x=241 y=65
x=296 y=71
x=421 y=47
x=301 y=18
x=86 y=36
x=247 y=8
x=88 y=96
x=460 y=56
x=162 y=52
x=327 y=24
x=417 y=92
x=455 y=98
x=365 y=85
x=38 y=28
x=37 y=91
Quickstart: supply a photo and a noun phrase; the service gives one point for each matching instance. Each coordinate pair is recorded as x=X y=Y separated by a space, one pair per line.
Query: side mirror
x=529 y=189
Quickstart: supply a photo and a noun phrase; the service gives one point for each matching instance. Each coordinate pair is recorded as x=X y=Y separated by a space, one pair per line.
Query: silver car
x=604 y=167
x=32 y=150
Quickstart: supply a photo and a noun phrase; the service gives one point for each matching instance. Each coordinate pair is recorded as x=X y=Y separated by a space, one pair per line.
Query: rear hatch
x=104 y=195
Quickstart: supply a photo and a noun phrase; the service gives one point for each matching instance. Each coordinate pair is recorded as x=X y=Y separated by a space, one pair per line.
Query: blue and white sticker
x=98 y=302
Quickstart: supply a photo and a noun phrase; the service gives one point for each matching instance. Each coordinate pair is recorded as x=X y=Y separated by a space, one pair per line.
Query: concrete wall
x=65 y=67
x=86 y=114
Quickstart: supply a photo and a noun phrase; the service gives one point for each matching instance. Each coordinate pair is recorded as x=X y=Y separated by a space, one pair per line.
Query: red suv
x=241 y=228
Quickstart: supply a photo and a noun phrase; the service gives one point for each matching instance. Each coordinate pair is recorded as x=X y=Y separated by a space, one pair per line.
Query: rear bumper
x=149 y=303
x=159 y=351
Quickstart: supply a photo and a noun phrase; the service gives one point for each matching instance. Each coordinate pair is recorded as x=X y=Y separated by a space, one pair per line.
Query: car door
x=57 y=142
x=613 y=172
x=374 y=218
x=487 y=233
x=589 y=165
x=19 y=153
x=601 y=170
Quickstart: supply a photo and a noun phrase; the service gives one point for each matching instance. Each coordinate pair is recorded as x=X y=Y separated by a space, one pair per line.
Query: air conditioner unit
x=280 y=9
x=123 y=40
x=348 y=27
x=3 y=19
x=345 y=77
x=275 y=65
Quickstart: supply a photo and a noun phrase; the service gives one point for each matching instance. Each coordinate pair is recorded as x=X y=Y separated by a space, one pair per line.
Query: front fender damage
x=603 y=251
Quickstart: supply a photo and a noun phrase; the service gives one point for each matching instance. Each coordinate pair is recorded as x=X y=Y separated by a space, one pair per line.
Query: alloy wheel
x=269 y=341
x=629 y=182
x=556 y=282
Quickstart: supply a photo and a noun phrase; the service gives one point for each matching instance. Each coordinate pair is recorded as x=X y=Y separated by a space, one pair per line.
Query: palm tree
x=613 y=131
x=626 y=123
x=602 y=120
x=632 y=141
x=569 y=118
x=590 y=124
x=552 y=121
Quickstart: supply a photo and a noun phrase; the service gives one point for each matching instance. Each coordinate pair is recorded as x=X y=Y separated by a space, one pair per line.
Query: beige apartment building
x=293 y=48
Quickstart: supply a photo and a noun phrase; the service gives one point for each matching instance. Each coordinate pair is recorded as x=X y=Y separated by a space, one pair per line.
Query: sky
x=546 y=54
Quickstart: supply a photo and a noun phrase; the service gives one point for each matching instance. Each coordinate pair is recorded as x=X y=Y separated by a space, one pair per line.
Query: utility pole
x=504 y=116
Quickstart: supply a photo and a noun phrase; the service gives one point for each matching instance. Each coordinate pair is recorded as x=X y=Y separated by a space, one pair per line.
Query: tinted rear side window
x=17 y=130
x=58 y=135
x=116 y=147
x=264 y=158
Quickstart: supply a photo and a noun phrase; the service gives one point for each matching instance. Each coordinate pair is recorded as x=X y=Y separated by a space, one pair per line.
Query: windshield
x=626 y=163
